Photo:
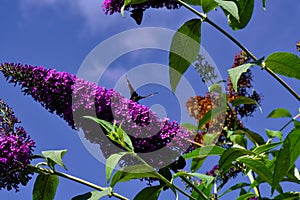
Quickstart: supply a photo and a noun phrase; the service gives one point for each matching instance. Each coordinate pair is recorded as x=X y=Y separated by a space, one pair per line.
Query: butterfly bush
x=114 y=6
x=16 y=149
x=71 y=98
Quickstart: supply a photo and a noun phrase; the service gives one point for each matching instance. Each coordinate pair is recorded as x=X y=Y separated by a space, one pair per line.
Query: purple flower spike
x=16 y=149
x=72 y=98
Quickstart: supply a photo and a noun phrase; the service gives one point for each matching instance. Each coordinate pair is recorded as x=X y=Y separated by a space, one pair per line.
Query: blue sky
x=60 y=34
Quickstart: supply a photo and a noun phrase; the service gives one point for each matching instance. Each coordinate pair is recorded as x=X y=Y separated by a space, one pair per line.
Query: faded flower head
x=114 y=6
x=16 y=149
x=72 y=98
x=298 y=46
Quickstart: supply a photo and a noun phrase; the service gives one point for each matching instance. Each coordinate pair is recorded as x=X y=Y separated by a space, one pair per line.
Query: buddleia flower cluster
x=114 y=6
x=71 y=98
x=16 y=150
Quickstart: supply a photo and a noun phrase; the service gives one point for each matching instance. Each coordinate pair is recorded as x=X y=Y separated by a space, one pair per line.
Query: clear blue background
x=60 y=34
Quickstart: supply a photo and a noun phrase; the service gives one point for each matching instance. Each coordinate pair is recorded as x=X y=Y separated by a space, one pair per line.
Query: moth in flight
x=134 y=96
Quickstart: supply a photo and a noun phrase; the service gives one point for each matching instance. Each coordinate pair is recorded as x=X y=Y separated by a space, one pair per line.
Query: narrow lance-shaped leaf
x=184 y=49
x=286 y=157
x=211 y=114
x=235 y=187
x=235 y=73
x=45 y=187
x=284 y=63
x=245 y=196
x=204 y=152
x=272 y=134
x=244 y=100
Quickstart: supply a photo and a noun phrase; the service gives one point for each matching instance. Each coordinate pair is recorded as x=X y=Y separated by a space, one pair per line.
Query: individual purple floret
x=72 y=98
x=16 y=149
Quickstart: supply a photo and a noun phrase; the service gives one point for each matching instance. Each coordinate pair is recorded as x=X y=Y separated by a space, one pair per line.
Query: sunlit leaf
x=279 y=113
x=184 y=49
x=204 y=152
x=272 y=134
x=230 y=7
x=45 y=187
x=284 y=63
x=111 y=163
x=133 y=172
x=235 y=73
x=55 y=156
x=208 y=5
x=265 y=147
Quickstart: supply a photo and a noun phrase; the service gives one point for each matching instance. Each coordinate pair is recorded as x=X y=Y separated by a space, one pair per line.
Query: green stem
x=290 y=121
x=240 y=45
x=73 y=178
x=161 y=177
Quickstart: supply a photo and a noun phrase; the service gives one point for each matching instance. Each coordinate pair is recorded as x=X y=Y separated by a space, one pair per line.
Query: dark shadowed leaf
x=93 y=195
x=208 y=5
x=184 y=49
x=288 y=196
x=287 y=156
x=245 y=8
x=245 y=196
x=235 y=187
x=45 y=187
x=230 y=155
x=284 y=63
x=149 y=193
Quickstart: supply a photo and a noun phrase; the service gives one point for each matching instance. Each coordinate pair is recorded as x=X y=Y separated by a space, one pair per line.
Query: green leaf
x=264 y=4
x=245 y=8
x=287 y=156
x=204 y=152
x=207 y=180
x=197 y=163
x=208 y=5
x=258 y=167
x=235 y=73
x=239 y=139
x=293 y=175
x=125 y=140
x=149 y=193
x=272 y=134
x=235 y=187
x=93 y=195
x=280 y=113
x=288 y=196
x=230 y=7
x=244 y=100
x=54 y=157
x=45 y=187
x=230 y=155
x=111 y=163
x=246 y=196
x=265 y=147
x=205 y=190
x=189 y=127
x=254 y=137
x=211 y=114
x=133 y=172
x=184 y=49
x=284 y=63
x=215 y=88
